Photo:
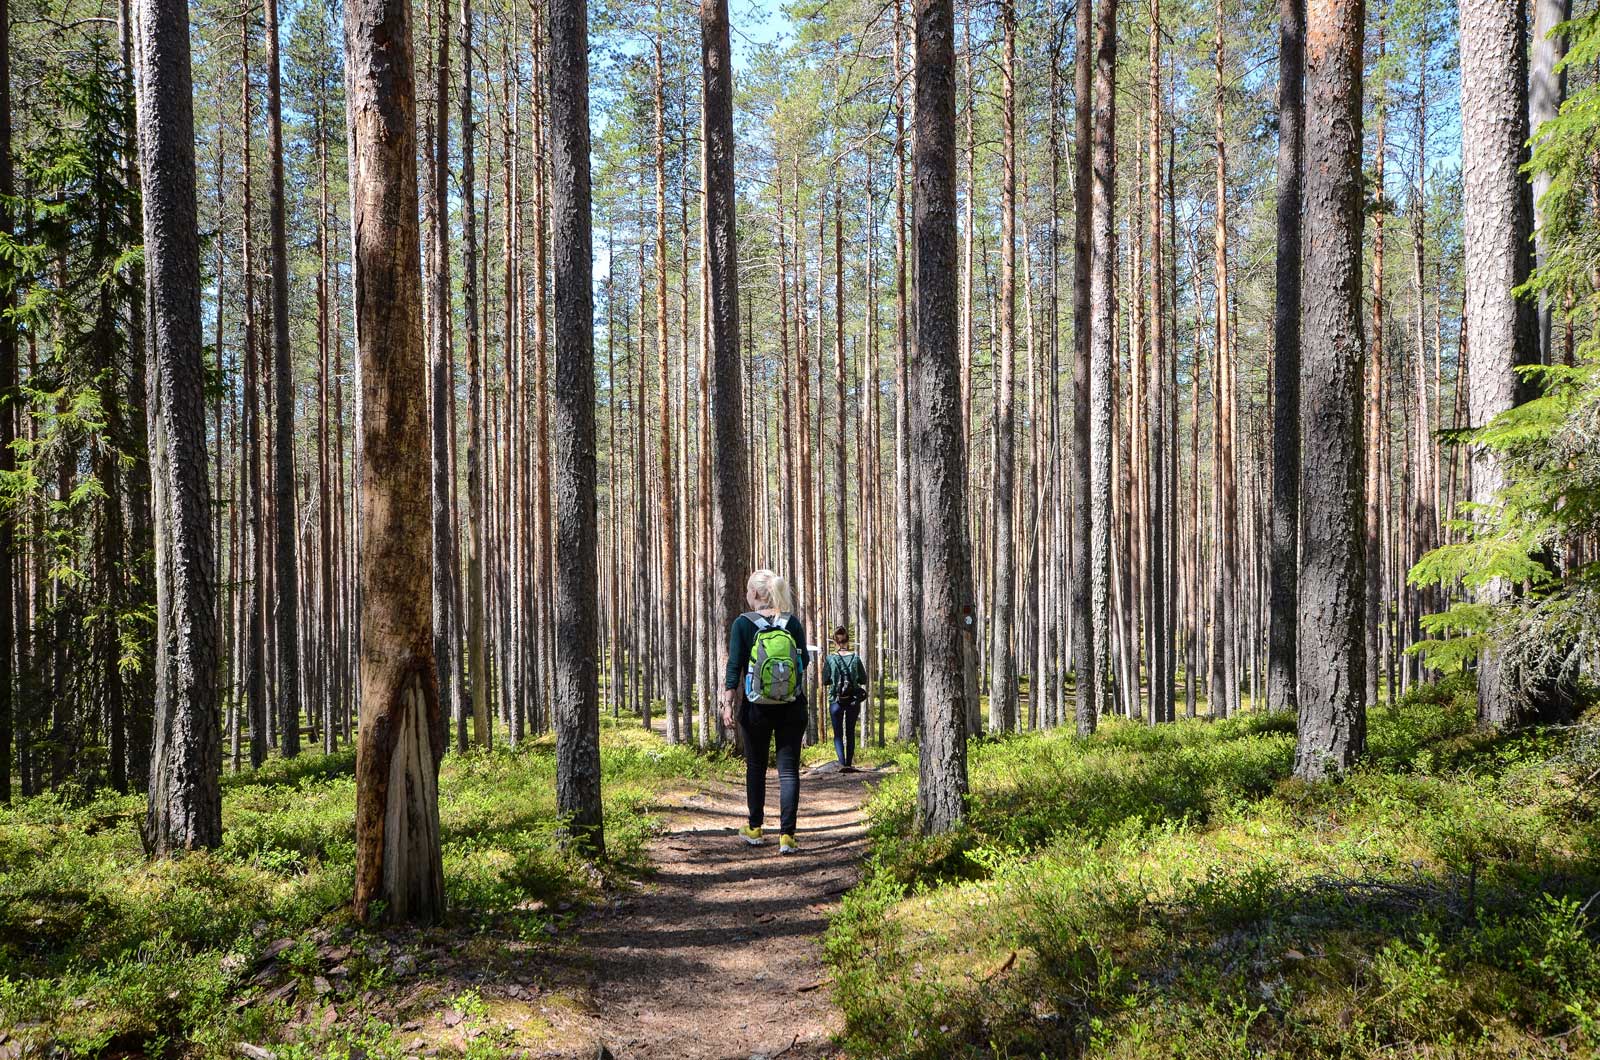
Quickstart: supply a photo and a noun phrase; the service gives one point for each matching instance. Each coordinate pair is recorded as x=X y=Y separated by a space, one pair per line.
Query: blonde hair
x=771 y=588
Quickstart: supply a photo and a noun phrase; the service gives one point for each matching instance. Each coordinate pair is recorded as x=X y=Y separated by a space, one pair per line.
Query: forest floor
x=681 y=941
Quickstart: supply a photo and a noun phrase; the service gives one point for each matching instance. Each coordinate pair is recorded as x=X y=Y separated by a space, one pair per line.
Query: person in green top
x=846 y=678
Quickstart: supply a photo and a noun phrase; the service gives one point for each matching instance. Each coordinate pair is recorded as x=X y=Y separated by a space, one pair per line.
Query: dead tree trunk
x=398 y=859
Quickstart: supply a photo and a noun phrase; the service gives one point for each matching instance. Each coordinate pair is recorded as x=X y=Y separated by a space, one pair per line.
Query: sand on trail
x=718 y=955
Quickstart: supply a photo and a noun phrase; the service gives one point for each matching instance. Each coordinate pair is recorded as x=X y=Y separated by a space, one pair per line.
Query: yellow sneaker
x=787 y=845
x=751 y=836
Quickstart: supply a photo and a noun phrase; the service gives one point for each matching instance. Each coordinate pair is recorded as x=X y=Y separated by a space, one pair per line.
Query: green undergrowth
x=1172 y=892
x=102 y=952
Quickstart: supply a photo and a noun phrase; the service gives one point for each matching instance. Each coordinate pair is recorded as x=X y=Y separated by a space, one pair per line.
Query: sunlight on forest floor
x=1169 y=892
x=101 y=952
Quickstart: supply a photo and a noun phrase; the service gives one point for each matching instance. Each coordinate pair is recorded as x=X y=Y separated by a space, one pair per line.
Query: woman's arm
x=738 y=652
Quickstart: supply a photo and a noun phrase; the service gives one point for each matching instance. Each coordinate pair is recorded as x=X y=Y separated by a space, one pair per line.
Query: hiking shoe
x=787 y=845
x=751 y=836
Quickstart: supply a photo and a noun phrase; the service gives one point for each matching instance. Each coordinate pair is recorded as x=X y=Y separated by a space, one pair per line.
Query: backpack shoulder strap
x=760 y=621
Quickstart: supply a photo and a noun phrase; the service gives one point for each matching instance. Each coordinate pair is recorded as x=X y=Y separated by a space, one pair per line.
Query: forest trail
x=718 y=956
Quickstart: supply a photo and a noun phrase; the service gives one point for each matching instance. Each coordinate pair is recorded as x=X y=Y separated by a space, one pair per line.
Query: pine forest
x=1156 y=441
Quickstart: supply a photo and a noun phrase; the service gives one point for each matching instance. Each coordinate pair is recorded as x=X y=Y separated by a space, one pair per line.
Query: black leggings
x=759 y=726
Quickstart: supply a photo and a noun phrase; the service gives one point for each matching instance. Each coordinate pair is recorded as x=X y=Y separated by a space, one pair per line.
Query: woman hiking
x=846 y=678
x=764 y=690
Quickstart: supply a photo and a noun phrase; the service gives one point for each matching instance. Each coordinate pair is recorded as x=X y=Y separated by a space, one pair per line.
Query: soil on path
x=718 y=956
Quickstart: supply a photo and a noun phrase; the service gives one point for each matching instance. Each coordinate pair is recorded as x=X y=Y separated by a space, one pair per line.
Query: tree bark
x=1103 y=351
x=285 y=604
x=1547 y=89
x=577 y=612
x=185 y=808
x=477 y=664
x=398 y=861
x=727 y=392
x=908 y=542
x=941 y=465
x=1084 y=629
x=1501 y=330
x=1286 y=361
x=1332 y=649
x=441 y=385
x=1002 y=659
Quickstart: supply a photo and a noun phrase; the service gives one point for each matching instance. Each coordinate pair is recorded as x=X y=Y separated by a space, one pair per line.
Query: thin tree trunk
x=477 y=663
x=1286 y=360
x=441 y=385
x=1547 y=89
x=1102 y=298
x=1085 y=630
x=1002 y=658
x=285 y=573
x=727 y=396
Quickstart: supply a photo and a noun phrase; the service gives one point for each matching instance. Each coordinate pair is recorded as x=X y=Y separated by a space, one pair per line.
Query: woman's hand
x=727 y=707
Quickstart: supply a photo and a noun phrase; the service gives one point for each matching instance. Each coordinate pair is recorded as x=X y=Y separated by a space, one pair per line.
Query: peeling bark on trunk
x=398 y=861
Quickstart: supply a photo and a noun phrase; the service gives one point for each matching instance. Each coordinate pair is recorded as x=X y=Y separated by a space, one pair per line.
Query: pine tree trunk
x=477 y=662
x=1332 y=648
x=1547 y=89
x=441 y=385
x=1376 y=378
x=908 y=541
x=398 y=861
x=1286 y=361
x=1103 y=345
x=577 y=701
x=1155 y=575
x=185 y=808
x=727 y=396
x=1501 y=330
x=1002 y=659
x=285 y=602
x=941 y=472
x=1085 y=631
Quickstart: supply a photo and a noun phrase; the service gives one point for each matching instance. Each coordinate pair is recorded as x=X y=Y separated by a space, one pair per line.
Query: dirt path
x=719 y=955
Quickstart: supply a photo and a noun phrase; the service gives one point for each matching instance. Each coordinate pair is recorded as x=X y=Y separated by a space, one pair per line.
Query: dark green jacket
x=841 y=664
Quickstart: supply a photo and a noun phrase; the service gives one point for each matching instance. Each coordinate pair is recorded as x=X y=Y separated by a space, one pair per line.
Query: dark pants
x=845 y=718
x=759 y=726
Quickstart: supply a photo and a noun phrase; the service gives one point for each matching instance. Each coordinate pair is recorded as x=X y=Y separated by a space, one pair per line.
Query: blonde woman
x=764 y=690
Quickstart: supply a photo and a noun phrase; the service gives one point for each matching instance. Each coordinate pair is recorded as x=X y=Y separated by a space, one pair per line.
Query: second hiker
x=846 y=678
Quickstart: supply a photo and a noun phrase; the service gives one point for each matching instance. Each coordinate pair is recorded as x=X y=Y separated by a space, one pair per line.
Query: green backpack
x=773 y=676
